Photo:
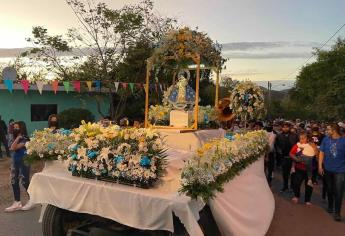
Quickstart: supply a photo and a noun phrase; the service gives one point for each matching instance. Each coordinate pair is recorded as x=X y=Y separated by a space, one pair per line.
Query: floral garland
x=131 y=156
x=219 y=161
x=247 y=100
x=181 y=41
x=46 y=145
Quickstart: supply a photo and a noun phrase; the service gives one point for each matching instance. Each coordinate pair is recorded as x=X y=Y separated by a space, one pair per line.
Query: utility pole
x=269 y=89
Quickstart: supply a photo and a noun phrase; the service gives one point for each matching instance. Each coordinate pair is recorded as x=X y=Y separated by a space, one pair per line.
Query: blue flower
x=118 y=159
x=230 y=137
x=206 y=119
x=217 y=166
x=51 y=146
x=246 y=97
x=74 y=157
x=145 y=161
x=91 y=154
x=73 y=168
x=65 y=131
x=75 y=148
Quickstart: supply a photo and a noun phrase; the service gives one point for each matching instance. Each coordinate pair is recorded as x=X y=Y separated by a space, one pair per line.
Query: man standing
x=332 y=165
x=285 y=141
x=3 y=140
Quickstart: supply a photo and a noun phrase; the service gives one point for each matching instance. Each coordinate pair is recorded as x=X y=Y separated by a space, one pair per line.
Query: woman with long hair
x=53 y=122
x=18 y=168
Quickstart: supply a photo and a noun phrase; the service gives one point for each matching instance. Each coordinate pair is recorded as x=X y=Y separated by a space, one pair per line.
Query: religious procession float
x=171 y=177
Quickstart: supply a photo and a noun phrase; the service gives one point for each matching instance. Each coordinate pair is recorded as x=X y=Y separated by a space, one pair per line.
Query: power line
x=318 y=49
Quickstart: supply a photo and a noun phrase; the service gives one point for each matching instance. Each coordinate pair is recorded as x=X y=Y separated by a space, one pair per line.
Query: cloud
x=243 y=46
x=244 y=73
x=273 y=55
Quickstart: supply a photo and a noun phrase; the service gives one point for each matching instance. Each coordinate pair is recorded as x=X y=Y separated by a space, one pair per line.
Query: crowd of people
x=308 y=152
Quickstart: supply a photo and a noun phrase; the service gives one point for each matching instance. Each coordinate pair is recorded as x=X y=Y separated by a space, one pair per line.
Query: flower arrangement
x=220 y=160
x=247 y=100
x=159 y=114
x=130 y=156
x=47 y=145
x=206 y=114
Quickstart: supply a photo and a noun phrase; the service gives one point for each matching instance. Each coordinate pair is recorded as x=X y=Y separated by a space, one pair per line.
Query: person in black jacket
x=285 y=141
x=3 y=139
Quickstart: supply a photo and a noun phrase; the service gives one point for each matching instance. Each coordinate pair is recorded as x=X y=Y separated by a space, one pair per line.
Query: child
x=306 y=153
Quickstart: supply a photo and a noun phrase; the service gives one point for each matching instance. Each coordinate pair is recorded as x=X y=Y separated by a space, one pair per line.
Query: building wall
x=17 y=105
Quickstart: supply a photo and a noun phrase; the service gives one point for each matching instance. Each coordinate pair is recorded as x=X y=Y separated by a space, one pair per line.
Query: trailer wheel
x=57 y=221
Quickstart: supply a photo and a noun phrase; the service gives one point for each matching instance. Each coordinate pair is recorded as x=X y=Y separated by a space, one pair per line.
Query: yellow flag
x=89 y=85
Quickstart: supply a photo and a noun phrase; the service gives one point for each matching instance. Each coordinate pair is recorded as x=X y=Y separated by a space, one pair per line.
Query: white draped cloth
x=245 y=207
x=147 y=209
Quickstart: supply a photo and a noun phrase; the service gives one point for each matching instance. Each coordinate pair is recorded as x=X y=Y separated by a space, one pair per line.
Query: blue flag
x=9 y=84
x=98 y=84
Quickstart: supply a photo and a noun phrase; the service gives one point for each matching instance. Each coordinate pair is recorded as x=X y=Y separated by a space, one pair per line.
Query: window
x=41 y=112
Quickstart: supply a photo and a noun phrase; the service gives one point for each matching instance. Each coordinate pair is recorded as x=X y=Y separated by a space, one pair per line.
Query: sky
x=265 y=40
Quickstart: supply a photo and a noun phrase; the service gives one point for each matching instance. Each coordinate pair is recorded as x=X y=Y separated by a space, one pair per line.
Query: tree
x=319 y=89
x=98 y=47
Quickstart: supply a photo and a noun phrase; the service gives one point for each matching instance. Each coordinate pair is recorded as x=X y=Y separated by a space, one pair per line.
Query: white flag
x=40 y=85
x=116 y=86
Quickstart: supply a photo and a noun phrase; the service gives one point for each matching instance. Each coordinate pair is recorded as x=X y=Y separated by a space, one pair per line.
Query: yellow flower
x=91 y=133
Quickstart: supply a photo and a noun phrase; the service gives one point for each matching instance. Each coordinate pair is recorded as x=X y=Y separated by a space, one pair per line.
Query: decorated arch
x=181 y=52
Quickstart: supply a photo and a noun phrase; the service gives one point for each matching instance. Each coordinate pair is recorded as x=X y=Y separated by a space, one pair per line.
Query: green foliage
x=319 y=90
x=208 y=191
x=71 y=118
x=109 y=45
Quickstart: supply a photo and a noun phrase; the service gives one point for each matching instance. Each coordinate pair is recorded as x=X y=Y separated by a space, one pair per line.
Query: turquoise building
x=33 y=108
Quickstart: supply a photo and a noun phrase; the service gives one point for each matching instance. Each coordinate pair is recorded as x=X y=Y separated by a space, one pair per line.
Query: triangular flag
x=139 y=85
x=89 y=85
x=9 y=73
x=9 y=84
x=55 y=85
x=66 y=85
x=131 y=85
x=40 y=85
x=124 y=85
x=25 y=84
x=116 y=86
x=98 y=84
x=76 y=86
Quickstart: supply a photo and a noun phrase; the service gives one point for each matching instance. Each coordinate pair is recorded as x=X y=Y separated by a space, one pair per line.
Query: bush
x=71 y=118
